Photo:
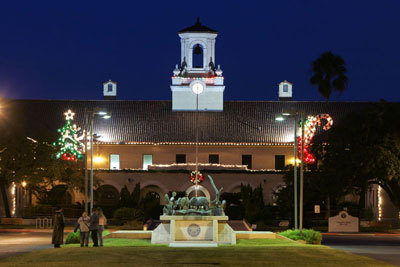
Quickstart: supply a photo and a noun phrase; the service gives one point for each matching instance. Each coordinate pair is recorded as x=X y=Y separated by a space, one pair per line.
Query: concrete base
x=194 y=229
x=255 y=235
x=131 y=234
x=198 y=244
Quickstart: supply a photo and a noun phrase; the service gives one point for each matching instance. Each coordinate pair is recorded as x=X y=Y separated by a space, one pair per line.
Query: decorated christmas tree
x=70 y=146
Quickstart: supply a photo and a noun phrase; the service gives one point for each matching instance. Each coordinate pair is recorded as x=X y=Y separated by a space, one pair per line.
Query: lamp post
x=85 y=161
x=197 y=88
x=301 y=174
x=294 y=115
x=91 y=114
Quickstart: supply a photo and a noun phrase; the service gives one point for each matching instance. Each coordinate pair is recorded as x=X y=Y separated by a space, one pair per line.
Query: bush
x=132 y=225
x=309 y=235
x=123 y=215
x=73 y=238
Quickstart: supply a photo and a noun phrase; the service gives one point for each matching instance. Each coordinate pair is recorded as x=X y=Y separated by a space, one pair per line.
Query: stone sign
x=343 y=223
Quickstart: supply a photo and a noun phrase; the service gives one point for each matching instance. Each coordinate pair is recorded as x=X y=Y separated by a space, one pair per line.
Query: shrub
x=132 y=225
x=309 y=235
x=123 y=215
x=73 y=238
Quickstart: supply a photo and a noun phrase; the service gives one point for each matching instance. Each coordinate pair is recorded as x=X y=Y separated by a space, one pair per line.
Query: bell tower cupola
x=197 y=67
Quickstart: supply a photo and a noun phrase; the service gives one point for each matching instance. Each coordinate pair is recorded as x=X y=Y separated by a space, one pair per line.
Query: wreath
x=193 y=177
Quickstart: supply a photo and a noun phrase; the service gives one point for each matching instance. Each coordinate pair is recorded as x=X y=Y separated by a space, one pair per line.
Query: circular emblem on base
x=193 y=230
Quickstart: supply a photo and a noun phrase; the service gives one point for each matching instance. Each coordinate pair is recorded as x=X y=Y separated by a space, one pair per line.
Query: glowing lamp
x=98 y=159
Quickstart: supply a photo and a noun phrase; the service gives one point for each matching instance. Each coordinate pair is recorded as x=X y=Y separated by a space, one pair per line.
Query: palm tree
x=329 y=73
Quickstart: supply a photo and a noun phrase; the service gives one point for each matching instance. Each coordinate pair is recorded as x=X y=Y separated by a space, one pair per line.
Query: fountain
x=194 y=222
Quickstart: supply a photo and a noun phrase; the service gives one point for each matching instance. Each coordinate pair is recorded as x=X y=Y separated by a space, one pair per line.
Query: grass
x=131 y=252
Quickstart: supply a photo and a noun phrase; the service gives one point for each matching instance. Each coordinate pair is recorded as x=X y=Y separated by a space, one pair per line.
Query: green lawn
x=128 y=252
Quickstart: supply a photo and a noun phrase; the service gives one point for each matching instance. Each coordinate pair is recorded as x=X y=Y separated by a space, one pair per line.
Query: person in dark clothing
x=94 y=225
x=58 y=229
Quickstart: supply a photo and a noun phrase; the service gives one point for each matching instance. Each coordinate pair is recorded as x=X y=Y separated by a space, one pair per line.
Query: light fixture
x=279 y=118
x=101 y=113
x=106 y=116
x=98 y=159
x=23 y=184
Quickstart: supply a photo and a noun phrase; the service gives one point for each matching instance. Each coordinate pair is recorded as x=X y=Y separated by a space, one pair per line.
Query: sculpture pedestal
x=192 y=229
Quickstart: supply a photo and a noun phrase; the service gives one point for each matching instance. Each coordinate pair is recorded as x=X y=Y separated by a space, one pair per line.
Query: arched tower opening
x=198 y=56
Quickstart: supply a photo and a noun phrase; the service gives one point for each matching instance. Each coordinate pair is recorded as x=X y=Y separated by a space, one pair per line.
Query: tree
x=329 y=73
x=364 y=149
x=15 y=160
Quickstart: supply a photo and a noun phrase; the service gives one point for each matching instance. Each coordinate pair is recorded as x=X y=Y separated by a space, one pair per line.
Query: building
x=153 y=142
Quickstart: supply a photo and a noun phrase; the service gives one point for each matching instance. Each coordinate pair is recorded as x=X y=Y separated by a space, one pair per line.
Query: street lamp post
x=197 y=88
x=86 y=163
x=295 y=114
x=296 y=223
x=301 y=174
x=91 y=114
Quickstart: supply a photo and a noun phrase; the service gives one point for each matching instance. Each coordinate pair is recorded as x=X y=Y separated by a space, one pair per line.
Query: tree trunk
x=328 y=207
x=5 y=200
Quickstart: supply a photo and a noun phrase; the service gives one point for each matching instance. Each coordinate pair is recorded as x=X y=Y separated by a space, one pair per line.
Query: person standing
x=93 y=227
x=102 y=223
x=83 y=225
x=58 y=228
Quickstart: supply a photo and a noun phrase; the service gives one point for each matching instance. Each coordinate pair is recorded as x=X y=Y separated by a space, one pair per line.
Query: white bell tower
x=285 y=91
x=197 y=69
x=110 y=90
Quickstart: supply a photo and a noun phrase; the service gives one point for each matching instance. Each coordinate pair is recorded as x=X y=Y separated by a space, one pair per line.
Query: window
x=114 y=162
x=180 y=158
x=110 y=87
x=279 y=162
x=246 y=160
x=213 y=158
x=147 y=160
x=285 y=88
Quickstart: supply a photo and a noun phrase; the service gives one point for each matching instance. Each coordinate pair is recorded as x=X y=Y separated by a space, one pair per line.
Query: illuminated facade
x=153 y=142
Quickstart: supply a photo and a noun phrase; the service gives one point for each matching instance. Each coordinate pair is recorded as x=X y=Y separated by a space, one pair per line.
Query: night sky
x=67 y=49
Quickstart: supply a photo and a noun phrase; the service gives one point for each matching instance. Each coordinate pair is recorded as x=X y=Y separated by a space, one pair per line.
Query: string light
x=379 y=203
x=198 y=78
x=200 y=143
x=309 y=131
x=69 y=142
x=14 y=199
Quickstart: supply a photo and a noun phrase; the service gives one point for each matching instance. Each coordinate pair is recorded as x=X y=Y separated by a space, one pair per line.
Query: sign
x=343 y=223
x=317 y=209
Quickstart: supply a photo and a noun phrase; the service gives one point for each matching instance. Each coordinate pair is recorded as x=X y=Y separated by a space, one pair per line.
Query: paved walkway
x=383 y=247
x=16 y=242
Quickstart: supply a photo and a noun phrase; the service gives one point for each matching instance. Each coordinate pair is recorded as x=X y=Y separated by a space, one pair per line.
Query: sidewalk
x=363 y=234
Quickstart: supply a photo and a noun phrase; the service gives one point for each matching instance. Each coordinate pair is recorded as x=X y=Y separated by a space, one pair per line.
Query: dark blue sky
x=67 y=49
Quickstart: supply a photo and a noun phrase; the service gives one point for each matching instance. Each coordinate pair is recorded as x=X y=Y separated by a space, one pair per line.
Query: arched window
x=107 y=195
x=110 y=87
x=198 y=56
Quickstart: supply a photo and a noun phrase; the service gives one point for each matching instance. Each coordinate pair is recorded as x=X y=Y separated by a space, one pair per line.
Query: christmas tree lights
x=309 y=131
x=70 y=146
